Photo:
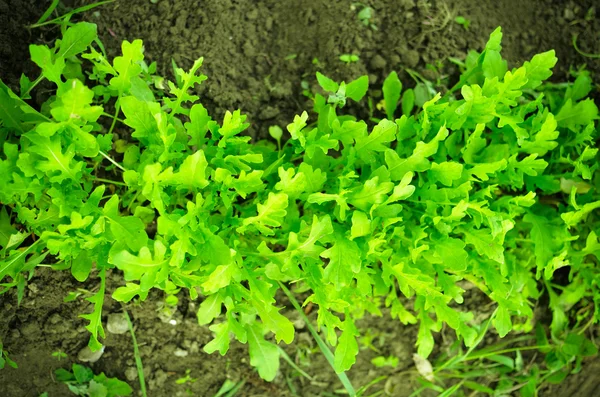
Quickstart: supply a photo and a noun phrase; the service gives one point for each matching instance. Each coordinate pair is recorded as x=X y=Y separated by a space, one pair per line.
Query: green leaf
x=127 y=229
x=51 y=69
x=452 y=253
x=270 y=214
x=192 y=173
x=539 y=68
x=128 y=65
x=145 y=264
x=372 y=192
x=408 y=101
x=209 y=309
x=572 y=116
x=74 y=103
x=418 y=161
x=347 y=348
x=77 y=39
x=574 y=217
x=81 y=266
x=326 y=83
x=58 y=165
x=95 y=318
x=357 y=89
x=221 y=339
x=6 y=228
x=138 y=116
x=344 y=262
x=484 y=244
x=219 y=278
x=383 y=133
x=392 y=86
x=263 y=355
x=128 y=292
x=361 y=225
x=446 y=172
x=502 y=322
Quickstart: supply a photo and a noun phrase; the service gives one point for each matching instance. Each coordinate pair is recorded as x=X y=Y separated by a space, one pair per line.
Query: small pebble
x=55 y=318
x=378 y=62
x=131 y=374
x=117 y=324
x=411 y=58
x=88 y=356
x=180 y=353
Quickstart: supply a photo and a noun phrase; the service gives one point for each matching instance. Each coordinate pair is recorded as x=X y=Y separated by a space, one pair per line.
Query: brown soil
x=247 y=46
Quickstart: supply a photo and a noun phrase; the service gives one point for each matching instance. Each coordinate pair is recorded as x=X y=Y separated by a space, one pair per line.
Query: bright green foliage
x=4 y=359
x=82 y=381
x=494 y=188
x=392 y=87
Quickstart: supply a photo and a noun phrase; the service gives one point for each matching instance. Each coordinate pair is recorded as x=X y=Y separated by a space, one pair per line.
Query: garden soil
x=256 y=55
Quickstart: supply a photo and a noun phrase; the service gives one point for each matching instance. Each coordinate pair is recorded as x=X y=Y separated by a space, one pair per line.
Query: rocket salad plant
x=495 y=187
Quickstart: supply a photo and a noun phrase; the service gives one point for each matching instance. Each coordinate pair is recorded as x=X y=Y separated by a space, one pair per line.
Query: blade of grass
x=326 y=352
x=136 y=353
x=71 y=13
x=229 y=388
x=49 y=11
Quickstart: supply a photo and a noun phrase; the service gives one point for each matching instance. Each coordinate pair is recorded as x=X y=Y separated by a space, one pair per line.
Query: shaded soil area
x=257 y=54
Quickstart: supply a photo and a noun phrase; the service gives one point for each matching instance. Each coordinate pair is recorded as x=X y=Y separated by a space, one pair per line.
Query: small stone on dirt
x=180 y=353
x=131 y=374
x=411 y=58
x=117 y=324
x=29 y=329
x=268 y=113
x=55 y=319
x=88 y=356
x=378 y=62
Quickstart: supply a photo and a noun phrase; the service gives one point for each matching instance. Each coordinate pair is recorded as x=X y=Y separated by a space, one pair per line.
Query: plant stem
x=514 y=349
x=109 y=181
x=293 y=364
x=112 y=116
x=106 y=156
x=136 y=352
x=115 y=117
x=324 y=349
x=34 y=84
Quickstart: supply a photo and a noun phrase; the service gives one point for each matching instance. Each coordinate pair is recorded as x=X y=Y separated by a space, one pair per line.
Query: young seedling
x=365 y=14
x=4 y=359
x=59 y=355
x=464 y=22
x=82 y=381
x=349 y=58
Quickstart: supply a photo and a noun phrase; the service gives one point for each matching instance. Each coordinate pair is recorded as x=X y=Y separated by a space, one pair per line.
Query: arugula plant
x=81 y=381
x=495 y=188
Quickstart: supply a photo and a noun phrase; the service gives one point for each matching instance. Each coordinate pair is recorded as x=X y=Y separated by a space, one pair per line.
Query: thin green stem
x=109 y=181
x=293 y=364
x=136 y=352
x=585 y=54
x=113 y=117
x=33 y=85
x=106 y=156
x=324 y=349
x=511 y=350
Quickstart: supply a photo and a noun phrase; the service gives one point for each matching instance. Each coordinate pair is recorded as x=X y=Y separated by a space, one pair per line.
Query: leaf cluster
x=495 y=188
